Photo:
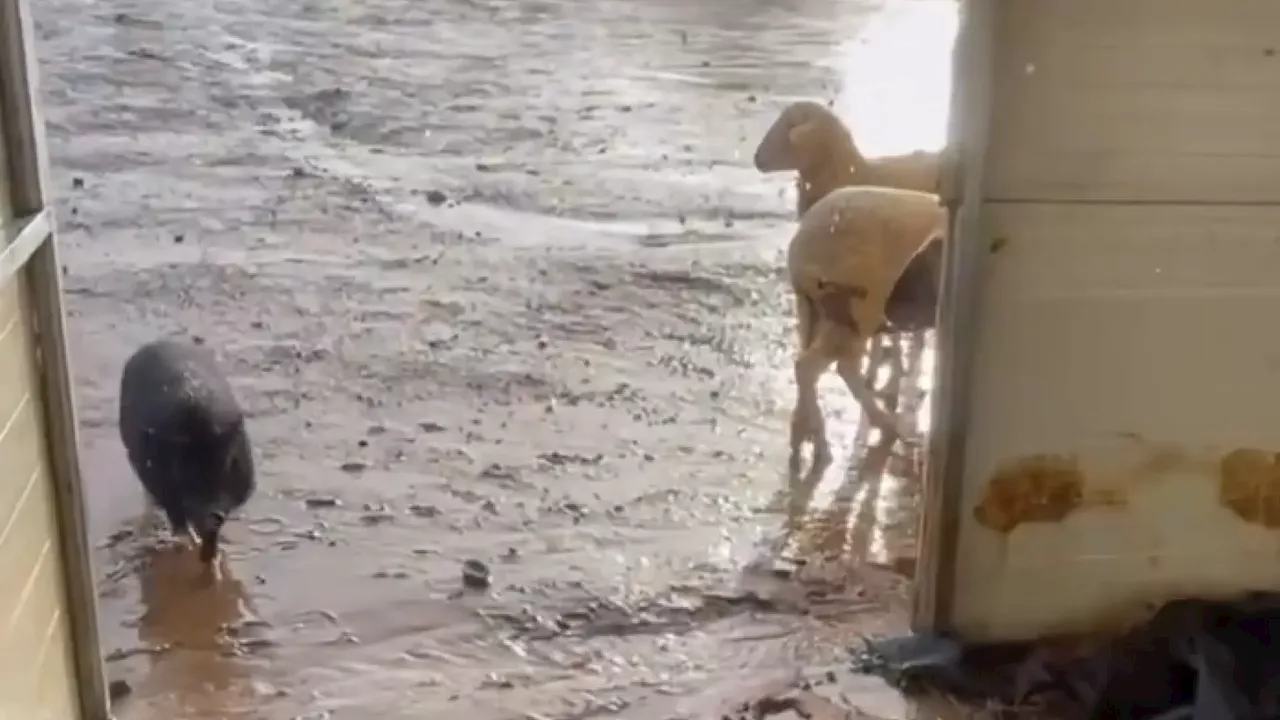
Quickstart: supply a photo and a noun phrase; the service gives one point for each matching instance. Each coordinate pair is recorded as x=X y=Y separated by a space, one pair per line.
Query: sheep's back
x=916 y=171
x=862 y=237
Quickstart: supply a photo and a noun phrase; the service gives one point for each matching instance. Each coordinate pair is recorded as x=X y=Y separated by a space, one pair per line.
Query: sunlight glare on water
x=896 y=78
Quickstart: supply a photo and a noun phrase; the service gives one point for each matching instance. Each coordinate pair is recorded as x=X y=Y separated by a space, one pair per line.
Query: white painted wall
x=1128 y=310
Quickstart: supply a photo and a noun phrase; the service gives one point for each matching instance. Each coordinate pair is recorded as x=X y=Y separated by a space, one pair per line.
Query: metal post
x=962 y=192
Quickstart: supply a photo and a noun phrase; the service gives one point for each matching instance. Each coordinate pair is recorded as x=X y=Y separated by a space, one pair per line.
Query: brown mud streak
x=1249 y=485
x=1039 y=488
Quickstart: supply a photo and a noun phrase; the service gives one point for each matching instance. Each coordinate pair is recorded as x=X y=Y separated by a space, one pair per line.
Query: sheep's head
x=805 y=135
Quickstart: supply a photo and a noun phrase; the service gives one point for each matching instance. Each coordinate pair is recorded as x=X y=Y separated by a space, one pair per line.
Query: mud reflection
x=869 y=512
x=191 y=627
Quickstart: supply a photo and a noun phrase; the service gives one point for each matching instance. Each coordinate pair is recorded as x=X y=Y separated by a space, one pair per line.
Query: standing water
x=496 y=281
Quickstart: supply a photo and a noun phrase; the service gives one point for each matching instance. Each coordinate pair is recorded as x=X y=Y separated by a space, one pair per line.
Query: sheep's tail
x=806 y=317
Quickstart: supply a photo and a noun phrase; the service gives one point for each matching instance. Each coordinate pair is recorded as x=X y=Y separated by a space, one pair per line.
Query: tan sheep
x=809 y=138
x=864 y=260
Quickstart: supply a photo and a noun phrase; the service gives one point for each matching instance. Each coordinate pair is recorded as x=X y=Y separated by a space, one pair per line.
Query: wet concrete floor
x=497 y=281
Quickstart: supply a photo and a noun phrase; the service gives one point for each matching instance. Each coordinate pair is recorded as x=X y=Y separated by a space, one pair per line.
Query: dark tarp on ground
x=1194 y=660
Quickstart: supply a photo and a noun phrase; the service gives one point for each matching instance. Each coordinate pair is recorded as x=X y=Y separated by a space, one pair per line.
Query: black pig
x=185 y=436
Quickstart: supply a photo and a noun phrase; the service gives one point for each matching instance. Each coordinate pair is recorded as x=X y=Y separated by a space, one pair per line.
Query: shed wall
x=1120 y=437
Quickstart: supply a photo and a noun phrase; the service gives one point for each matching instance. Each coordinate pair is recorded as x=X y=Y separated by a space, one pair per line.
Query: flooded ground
x=497 y=282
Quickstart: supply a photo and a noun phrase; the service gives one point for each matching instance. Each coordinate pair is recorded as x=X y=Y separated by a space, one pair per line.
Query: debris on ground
x=1193 y=660
x=666 y=613
x=118 y=690
x=475 y=575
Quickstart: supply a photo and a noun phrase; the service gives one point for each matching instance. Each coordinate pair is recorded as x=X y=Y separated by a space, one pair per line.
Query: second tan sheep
x=809 y=139
x=864 y=260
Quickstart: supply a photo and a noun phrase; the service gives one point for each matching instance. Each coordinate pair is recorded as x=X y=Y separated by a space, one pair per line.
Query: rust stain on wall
x=1047 y=488
x=1037 y=488
x=1249 y=485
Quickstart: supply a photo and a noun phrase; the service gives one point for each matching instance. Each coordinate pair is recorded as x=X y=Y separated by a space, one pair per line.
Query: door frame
x=961 y=191
x=32 y=249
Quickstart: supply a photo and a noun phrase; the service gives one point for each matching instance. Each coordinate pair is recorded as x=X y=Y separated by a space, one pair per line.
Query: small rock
x=179 y=239
x=494 y=471
x=119 y=690
x=323 y=501
x=424 y=511
x=475 y=575
x=77 y=183
x=431 y=427
x=264 y=689
x=435 y=197
x=354 y=466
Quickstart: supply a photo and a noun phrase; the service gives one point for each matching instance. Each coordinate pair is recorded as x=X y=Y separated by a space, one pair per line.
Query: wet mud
x=501 y=294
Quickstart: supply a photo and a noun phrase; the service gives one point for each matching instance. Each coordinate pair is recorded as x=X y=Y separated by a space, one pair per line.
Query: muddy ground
x=496 y=281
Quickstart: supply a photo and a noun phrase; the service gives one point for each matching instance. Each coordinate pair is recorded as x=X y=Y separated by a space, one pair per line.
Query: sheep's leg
x=807 y=422
x=806 y=320
x=849 y=367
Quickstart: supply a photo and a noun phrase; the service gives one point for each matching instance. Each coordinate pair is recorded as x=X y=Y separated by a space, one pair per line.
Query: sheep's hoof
x=910 y=461
x=913 y=454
